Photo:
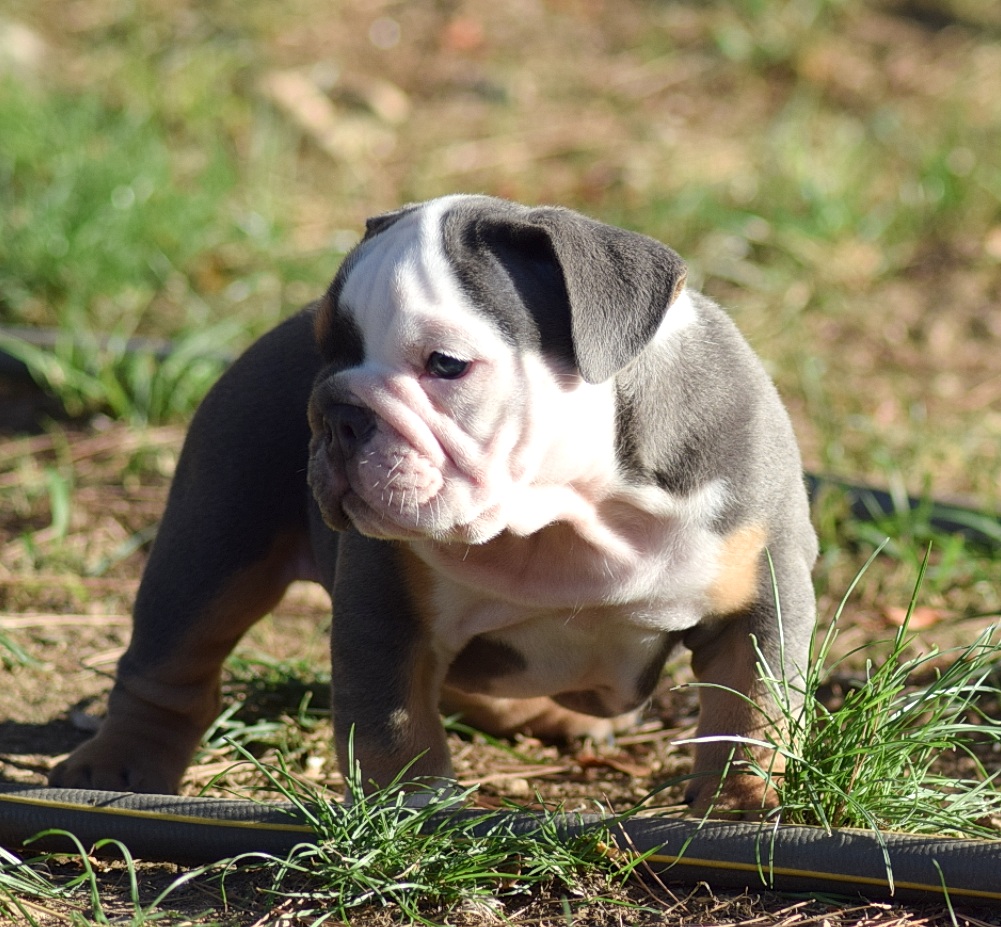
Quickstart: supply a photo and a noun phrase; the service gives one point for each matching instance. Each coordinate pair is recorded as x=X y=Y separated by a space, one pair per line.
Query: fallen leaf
x=924 y=616
x=621 y=762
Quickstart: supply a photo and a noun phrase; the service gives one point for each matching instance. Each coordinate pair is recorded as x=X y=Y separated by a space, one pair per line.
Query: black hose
x=725 y=855
x=868 y=504
x=14 y=367
x=153 y=827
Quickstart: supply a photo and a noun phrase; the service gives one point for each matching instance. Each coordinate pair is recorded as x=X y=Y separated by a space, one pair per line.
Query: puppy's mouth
x=388 y=490
x=398 y=491
x=398 y=520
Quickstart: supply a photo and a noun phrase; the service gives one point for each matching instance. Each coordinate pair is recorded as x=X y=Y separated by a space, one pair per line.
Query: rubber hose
x=867 y=503
x=740 y=856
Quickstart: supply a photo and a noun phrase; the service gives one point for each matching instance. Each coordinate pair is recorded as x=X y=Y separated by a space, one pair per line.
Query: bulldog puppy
x=526 y=462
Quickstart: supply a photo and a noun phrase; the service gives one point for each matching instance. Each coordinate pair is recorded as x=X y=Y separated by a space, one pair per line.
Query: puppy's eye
x=445 y=367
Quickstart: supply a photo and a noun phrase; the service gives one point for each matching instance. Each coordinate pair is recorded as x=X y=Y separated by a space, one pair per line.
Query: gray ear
x=619 y=285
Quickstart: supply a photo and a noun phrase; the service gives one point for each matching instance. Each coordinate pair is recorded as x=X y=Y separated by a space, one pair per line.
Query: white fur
x=681 y=314
x=510 y=446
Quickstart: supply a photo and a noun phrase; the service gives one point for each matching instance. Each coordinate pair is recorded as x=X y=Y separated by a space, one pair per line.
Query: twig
x=521 y=772
x=43 y=620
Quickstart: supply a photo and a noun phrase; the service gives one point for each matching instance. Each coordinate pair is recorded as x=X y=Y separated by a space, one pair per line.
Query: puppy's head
x=470 y=345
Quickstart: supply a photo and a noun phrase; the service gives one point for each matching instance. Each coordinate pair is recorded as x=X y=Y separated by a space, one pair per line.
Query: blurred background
x=189 y=173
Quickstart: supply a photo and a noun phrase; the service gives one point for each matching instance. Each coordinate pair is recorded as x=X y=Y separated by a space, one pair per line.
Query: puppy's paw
x=739 y=797
x=113 y=763
x=536 y=717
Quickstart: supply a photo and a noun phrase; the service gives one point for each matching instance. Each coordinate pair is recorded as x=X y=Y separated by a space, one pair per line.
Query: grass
x=424 y=858
x=97 y=223
x=37 y=891
x=112 y=226
x=899 y=755
x=875 y=762
x=905 y=749
x=273 y=705
x=25 y=888
x=378 y=850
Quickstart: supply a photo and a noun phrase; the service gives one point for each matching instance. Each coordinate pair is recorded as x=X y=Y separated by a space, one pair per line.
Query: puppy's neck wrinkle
x=582 y=552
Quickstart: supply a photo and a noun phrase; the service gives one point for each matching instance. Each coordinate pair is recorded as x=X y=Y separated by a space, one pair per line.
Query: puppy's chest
x=646 y=559
x=583 y=611
x=579 y=595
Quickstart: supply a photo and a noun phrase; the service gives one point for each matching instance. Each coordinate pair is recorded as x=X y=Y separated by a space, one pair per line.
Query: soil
x=70 y=622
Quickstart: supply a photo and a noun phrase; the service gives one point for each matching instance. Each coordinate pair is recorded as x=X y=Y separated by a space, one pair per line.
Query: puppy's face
x=434 y=411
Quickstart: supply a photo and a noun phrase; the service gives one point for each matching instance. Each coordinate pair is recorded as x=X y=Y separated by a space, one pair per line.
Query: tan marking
x=323 y=322
x=736 y=582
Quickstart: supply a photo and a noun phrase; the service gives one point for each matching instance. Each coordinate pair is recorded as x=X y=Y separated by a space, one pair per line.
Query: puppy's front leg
x=735 y=703
x=387 y=678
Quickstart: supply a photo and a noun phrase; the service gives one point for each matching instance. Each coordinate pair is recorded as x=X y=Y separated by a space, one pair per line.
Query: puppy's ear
x=614 y=285
x=619 y=284
x=377 y=224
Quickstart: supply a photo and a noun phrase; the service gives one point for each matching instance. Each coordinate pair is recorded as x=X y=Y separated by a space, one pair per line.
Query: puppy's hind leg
x=166 y=690
x=233 y=536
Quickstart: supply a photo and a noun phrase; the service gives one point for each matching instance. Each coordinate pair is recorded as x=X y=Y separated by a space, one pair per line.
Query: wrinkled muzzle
x=363 y=472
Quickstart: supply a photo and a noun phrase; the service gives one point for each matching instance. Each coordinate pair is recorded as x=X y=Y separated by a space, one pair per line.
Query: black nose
x=350 y=427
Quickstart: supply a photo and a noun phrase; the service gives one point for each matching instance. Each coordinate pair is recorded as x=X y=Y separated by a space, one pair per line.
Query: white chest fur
x=639 y=548
x=585 y=608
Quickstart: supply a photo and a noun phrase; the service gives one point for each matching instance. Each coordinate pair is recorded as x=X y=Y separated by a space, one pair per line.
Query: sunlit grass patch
x=114 y=228
x=904 y=751
x=100 y=214
x=395 y=847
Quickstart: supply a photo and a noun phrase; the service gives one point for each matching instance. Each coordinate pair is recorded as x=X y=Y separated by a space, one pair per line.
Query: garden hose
x=868 y=504
x=725 y=855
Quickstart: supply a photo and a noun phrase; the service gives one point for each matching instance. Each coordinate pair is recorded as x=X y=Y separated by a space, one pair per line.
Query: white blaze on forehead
x=405 y=268
x=516 y=444
x=407 y=301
